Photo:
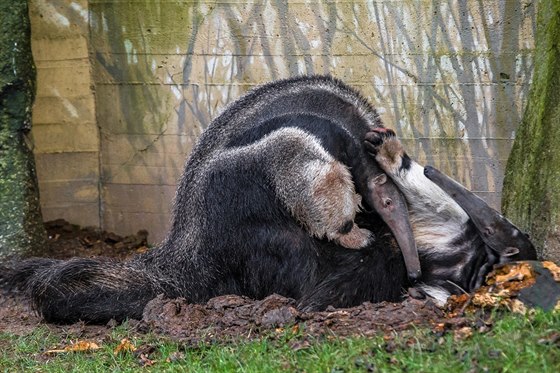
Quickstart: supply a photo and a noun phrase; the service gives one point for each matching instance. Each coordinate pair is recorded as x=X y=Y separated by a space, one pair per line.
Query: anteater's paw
x=375 y=139
x=357 y=238
x=383 y=144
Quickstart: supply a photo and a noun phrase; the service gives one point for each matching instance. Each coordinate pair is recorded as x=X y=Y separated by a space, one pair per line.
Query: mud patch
x=66 y=240
x=231 y=316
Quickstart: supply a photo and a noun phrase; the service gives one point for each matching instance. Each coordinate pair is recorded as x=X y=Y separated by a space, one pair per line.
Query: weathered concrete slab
x=451 y=77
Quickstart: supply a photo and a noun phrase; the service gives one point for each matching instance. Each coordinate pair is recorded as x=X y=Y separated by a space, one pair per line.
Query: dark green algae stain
x=531 y=195
x=21 y=229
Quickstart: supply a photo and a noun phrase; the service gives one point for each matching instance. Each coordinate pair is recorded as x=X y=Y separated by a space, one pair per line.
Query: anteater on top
x=269 y=202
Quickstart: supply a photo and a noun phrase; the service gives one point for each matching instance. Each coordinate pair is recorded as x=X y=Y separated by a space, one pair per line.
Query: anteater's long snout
x=497 y=232
x=390 y=204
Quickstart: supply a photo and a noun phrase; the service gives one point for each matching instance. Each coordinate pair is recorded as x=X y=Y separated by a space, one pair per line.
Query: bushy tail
x=92 y=290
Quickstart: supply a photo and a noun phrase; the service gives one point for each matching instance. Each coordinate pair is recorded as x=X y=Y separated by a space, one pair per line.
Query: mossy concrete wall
x=531 y=190
x=450 y=76
x=65 y=130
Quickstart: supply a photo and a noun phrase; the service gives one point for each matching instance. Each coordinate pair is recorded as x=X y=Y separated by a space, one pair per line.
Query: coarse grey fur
x=314 y=187
x=266 y=204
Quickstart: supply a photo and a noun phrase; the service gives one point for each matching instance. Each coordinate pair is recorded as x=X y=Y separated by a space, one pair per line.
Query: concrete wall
x=450 y=76
x=64 y=125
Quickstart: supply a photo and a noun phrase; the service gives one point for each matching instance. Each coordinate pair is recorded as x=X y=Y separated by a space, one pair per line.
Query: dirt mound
x=233 y=316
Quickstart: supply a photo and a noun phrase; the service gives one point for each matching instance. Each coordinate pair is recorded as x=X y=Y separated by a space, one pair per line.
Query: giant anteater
x=269 y=203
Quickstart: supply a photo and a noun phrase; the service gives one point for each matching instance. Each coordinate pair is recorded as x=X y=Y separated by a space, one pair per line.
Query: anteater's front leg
x=388 y=151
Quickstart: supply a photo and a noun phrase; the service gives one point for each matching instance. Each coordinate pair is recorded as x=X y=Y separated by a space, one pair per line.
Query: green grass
x=515 y=343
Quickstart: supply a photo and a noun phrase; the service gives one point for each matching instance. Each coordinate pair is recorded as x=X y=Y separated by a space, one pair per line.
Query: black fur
x=461 y=269
x=230 y=232
x=406 y=162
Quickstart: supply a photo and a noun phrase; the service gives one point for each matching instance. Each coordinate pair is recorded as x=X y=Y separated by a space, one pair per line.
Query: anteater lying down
x=283 y=194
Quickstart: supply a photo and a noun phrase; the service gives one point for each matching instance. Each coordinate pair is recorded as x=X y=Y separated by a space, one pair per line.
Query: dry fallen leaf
x=516 y=272
x=554 y=270
x=518 y=306
x=505 y=283
x=144 y=361
x=439 y=327
x=79 y=346
x=463 y=333
x=124 y=346
x=485 y=300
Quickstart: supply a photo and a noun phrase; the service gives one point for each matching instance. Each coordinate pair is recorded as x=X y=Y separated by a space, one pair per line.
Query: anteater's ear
x=496 y=231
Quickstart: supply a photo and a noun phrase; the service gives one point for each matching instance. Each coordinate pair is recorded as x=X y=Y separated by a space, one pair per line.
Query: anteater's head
x=501 y=236
x=487 y=239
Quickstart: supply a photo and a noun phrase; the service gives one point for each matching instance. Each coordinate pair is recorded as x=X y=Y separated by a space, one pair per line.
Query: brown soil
x=66 y=240
x=230 y=316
